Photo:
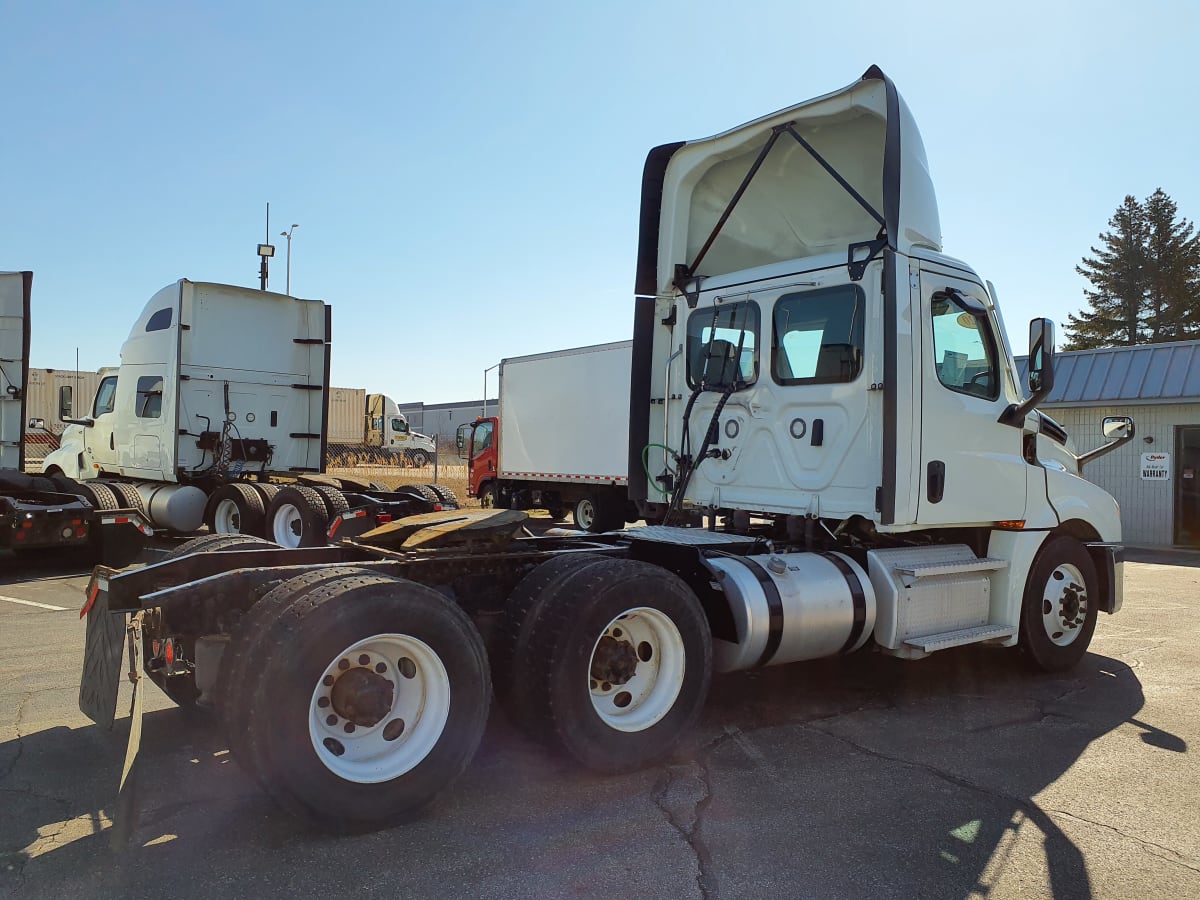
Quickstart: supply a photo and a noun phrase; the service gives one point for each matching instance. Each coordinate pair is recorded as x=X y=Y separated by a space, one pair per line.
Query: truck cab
x=477 y=444
x=806 y=354
x=388 y=429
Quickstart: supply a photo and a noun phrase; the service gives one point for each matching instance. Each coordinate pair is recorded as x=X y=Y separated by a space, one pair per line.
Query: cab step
x=931 y=642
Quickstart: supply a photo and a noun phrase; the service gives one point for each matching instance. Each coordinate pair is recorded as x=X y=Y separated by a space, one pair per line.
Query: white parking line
x=32 y=603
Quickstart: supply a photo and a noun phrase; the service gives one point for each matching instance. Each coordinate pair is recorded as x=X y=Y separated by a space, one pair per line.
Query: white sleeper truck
x=217 y=416
x=812 y=379
x=370 y=429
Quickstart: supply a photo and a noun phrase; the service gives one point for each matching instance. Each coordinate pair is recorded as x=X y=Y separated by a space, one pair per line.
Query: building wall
x=1147 y=507
x=443 y=419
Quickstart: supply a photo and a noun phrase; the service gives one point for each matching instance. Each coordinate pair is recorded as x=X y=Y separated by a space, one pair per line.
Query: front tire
x=374 y=697
x=1062 y=600
x=616 y=661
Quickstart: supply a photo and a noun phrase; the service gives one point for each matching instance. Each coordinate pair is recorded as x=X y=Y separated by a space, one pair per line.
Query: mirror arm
x=1086 y=458
x=1015 y=413
x=86 y=422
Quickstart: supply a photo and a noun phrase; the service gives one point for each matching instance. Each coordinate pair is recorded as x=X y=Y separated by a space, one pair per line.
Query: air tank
x=175 y=507
x=792 y=607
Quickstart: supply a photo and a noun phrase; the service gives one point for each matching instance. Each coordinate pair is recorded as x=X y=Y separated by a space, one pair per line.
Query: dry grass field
x=453 y=476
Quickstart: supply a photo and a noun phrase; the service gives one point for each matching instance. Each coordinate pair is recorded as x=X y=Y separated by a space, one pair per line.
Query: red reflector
x=122 y=520
x=359 y=514
x=334 y=527
x=26 y=524
x=170 y=653
x=437 y=507
x=77 y=521
x=19 y=536
x=383 y=518
x=91 y=599
x=81 y=532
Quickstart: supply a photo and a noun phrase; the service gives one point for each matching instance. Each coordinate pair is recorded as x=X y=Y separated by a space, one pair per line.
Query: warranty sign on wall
x=1156 y=467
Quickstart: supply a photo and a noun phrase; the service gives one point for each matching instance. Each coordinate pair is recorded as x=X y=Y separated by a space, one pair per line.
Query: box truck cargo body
x=560 y=441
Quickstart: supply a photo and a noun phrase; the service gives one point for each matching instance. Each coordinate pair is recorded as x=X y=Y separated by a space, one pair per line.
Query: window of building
x=148 y=404
x=818 y=336
x=722 y=347
x=964 y=351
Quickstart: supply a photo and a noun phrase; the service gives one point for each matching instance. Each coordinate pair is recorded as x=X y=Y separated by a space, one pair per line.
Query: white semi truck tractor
x=813 y=382
x=217 y=415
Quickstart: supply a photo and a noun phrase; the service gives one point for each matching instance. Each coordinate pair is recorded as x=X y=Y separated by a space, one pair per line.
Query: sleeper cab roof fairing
x=792 y=208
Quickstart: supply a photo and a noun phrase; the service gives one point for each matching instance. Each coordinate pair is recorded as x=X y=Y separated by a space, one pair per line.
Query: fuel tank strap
x=774 y=609
x=856 y=595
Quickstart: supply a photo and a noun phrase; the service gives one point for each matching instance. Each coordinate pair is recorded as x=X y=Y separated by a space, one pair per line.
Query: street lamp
x=288 y=235
x=485 y=375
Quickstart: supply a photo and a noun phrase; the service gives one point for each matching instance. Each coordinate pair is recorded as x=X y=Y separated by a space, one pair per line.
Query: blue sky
x=466 y=175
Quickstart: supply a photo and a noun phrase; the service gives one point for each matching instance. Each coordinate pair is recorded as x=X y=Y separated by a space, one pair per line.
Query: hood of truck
x=791 y=207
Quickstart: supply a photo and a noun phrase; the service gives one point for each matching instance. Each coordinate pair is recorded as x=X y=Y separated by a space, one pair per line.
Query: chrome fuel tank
x=792 y=607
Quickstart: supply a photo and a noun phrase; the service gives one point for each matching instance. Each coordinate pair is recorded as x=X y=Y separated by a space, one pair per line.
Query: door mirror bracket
x=1041 y=372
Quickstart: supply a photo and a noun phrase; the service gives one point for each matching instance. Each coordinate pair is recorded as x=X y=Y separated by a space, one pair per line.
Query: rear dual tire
x=363 y=698
x=608 y=661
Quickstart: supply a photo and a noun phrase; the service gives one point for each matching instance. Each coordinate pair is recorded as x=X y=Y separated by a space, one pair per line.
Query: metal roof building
x=1156 y=477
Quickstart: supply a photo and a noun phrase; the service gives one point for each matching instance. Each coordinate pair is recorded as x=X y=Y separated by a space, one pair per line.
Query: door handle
x=111 y=444
x=935 y=481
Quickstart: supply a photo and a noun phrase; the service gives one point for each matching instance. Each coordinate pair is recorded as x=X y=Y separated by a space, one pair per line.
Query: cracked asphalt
x=961 y=775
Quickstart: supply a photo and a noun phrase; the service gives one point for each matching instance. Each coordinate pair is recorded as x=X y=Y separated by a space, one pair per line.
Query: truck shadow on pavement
x=845 y=777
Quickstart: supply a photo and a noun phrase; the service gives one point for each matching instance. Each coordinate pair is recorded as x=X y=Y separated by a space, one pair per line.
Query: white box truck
x=811 y=374
x=561 y=439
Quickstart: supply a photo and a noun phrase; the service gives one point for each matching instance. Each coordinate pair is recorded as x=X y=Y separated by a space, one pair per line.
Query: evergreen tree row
x=1145 y=279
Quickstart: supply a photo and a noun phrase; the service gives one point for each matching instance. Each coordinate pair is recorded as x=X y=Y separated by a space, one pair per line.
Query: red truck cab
x=477 y=444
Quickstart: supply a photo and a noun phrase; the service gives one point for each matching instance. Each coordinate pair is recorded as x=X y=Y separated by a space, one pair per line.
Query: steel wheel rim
x=227 y=517
x=585 y=514
x=659 y=664
x=420 y=703
x=287 y=526
x=1064 y=605
x=488 y=499
x=420 y=459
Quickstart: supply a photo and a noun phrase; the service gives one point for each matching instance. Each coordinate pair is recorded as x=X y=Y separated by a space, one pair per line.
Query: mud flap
x=101 y=656
x=125 y=813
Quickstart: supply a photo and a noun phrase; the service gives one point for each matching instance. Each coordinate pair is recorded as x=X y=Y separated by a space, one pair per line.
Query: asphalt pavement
x=959 y=775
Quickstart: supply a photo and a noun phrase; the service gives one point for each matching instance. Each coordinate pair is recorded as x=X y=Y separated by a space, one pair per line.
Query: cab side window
x=964 y=351
x=482 y=440
x=148 y=404
x=399 y=426
x=105 y=396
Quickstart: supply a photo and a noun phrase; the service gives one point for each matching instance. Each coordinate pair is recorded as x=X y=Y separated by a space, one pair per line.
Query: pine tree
x=1117 y=272
x=1145 y=279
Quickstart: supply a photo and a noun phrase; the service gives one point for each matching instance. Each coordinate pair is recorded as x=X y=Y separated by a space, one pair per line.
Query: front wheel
x=374 y=696
x=420 y=459
x=616 y=662
x=1058 y=614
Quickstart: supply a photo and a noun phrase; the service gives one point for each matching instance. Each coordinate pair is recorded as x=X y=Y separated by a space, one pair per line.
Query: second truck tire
x=353 y=727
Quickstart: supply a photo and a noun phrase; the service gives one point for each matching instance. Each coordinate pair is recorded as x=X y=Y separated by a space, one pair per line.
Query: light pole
x=485 y=375
x=288 y=235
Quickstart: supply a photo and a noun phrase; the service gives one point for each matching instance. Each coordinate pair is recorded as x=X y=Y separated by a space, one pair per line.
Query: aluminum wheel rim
x=660 y=661
x=1064 y=605
x=227 y=518
x=287 y=526
x=402 y=737
x=585 y=514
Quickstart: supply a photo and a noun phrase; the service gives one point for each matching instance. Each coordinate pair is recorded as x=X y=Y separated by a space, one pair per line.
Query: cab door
x=100 y=448
x=972 y=468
